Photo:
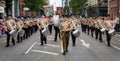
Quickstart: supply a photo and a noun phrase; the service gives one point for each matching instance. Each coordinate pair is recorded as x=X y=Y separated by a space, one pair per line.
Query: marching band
x=19 y=29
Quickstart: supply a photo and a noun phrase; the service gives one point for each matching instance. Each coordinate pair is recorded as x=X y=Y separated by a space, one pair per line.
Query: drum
x=102 y=30
x=111 y=31
x=45 y=31
x=21 y=32
x=12 y=31
x=76 y=33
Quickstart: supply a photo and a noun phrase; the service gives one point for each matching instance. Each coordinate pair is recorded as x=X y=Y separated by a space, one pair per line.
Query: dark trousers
x=92 y=30
x=88 y=28
x=100 y=35
x=42 y=37
x=50 y=28
x=96 y=33
x=8 y=38
x=108 y=38
x=73 y=38
x=26 y=33
x=84 y=28
x=57 y=31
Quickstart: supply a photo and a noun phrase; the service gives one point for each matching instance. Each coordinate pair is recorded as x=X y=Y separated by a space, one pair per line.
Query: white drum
x=76 y=33
x=45 y=31
x=111 y=31
x=12 y=31
x=102 y=30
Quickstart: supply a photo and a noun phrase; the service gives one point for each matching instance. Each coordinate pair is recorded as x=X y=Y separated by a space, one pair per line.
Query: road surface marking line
x=46 y=52
x=30 y=48
x=116 y=47
x=52 y=45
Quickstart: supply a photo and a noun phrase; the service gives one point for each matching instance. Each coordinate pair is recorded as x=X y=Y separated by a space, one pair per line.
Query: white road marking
x=116 y=47
x=85 y=44
x=46 y=52
x=52 y=45
x=30 y=48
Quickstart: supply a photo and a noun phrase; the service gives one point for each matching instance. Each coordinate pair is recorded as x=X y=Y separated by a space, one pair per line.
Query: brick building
x=114 y=8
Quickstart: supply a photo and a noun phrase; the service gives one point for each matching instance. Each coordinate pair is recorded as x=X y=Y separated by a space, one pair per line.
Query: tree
x=34 y=5
x=78 y=5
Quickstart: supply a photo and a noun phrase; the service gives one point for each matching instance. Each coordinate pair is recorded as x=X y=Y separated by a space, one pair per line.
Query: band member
x=96 y=29
x=56 y=22
x=88 y=25
x=92 y=24
x=100 y=23
x=42 y=24
x=65 y=28
x=74 y=22
x=19 y=25
x=107 y=25
x=10 y=25
x=25 y=28
x=50 y=20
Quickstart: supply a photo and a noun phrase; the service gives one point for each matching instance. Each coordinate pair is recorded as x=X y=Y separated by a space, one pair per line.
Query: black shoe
x=64 y=53
x=7 y=46
x=73 y=45
x=108 y=45
x=45 y=42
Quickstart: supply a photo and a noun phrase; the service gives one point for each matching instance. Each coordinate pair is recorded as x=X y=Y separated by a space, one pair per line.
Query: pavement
x=87 y=49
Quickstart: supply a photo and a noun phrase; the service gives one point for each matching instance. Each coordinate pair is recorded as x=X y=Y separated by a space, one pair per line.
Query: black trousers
x=84 y=28
x=73 y=38
x=57 y=31
x=42 y=37
x=92 y=30
x=96 y=33
x=50 y=28
x=88 y=29
x=108 y=38
x=26 y=33
x=100 y=35
x=8 y=38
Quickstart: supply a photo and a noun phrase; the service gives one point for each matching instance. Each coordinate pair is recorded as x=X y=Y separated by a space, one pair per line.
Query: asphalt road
x=87 y=49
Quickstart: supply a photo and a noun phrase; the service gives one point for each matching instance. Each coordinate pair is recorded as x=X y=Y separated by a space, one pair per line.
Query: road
x=87 y=49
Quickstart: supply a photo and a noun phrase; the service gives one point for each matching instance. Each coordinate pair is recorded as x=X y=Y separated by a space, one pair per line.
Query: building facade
x=114 y=8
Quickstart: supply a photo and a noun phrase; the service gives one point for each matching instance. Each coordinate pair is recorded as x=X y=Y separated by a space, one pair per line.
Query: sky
x=56 y=3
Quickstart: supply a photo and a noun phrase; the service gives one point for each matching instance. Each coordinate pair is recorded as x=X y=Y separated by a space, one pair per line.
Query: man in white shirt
x=56 y=22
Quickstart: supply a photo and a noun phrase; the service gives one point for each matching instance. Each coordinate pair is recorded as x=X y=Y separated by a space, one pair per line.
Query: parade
x=61 y=30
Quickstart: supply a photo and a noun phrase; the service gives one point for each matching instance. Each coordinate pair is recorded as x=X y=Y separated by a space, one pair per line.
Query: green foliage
x=66 y=10
x=78 y=5
x=34 y=5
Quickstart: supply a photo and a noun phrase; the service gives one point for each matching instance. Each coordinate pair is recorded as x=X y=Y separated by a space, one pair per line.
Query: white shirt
x=56 y=20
